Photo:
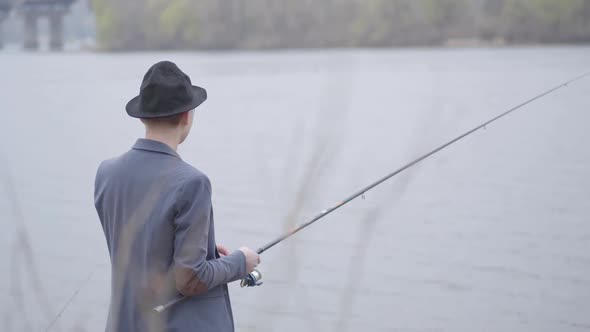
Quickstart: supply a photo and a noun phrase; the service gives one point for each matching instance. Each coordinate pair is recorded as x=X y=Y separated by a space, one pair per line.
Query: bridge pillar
x=2 y=17
x=31 y=31
x=56 y=27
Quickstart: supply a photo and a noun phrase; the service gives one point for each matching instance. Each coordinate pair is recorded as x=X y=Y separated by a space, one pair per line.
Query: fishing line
x=67 y=304
x=254 y=279
x=23 y=244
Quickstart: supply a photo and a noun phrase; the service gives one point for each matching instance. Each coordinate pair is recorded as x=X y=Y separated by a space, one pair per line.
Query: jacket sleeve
x=193 y=273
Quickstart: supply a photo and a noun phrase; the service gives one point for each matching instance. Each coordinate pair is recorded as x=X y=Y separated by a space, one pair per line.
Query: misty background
x=263 y=24
x=310 y=101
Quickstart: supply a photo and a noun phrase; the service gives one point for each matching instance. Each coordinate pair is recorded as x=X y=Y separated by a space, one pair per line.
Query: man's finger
x=223 y=251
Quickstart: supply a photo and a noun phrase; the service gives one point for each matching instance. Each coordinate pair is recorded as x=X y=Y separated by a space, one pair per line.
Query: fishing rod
x=255 y=278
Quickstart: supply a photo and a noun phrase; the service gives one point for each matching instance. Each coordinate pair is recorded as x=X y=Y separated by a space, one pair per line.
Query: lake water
x=493 y=234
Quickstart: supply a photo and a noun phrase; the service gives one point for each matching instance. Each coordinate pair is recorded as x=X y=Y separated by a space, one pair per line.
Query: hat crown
x=164 y=87
x=165 y=91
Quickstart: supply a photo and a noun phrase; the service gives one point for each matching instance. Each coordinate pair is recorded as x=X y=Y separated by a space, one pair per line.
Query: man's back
x=158 y=222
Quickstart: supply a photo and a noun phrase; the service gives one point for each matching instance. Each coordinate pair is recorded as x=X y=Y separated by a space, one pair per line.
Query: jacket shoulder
x=105 y=167
x=189 y=173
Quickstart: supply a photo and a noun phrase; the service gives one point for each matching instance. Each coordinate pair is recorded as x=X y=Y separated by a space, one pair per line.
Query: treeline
x=259 y=24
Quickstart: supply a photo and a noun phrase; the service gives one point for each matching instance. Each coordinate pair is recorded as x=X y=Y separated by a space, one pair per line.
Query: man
x=157 y=218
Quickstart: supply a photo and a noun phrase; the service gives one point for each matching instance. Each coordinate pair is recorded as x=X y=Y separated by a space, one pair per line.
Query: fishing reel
x=252 y=280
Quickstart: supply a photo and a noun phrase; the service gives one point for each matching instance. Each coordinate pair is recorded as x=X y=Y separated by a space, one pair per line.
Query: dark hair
x=172 y=120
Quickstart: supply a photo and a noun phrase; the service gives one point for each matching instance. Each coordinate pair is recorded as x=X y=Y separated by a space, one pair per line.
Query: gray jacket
x=157 y=218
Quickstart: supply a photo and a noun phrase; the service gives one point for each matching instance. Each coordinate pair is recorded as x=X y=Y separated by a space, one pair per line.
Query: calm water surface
x=491 y=235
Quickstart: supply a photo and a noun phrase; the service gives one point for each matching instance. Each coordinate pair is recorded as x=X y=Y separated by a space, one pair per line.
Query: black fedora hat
x=165 y=91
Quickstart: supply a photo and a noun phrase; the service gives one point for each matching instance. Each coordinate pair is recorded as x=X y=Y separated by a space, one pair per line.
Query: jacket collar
x=154 y=146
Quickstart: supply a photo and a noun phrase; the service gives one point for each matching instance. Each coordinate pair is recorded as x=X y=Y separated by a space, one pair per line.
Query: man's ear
x=184 y=118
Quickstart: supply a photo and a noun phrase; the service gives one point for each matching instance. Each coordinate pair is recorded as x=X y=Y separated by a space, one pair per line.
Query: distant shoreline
x=71 y=47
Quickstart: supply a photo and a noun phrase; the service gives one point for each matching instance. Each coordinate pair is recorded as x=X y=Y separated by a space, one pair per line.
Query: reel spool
x=252 y=280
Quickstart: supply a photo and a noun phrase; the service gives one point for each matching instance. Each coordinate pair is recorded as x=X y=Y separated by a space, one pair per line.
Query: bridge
x=31 y=11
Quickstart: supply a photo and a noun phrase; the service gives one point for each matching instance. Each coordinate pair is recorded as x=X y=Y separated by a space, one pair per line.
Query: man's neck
x=169 y=139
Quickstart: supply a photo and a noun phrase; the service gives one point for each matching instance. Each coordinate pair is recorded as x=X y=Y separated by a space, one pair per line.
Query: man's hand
x=252 y=259
x=223 y=251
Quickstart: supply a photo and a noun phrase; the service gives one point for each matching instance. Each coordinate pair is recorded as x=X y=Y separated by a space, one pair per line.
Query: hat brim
x=134 y=108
